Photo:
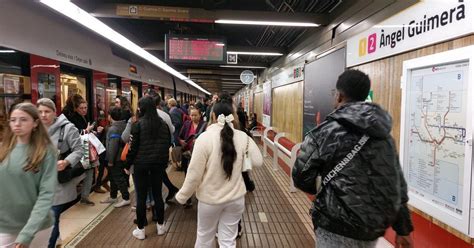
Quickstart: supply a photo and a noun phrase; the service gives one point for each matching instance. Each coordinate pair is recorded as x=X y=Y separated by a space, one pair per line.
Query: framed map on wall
x=436 y=135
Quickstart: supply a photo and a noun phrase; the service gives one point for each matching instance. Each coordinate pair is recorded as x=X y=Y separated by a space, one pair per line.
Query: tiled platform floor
x=273 y=218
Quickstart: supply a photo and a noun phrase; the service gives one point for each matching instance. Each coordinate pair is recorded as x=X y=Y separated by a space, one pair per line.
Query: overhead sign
x=427 y=22
x=195 y=49
x=289 y=75
x=232 y=58
x=164 y=13
x=247 y=77
x=133 y=69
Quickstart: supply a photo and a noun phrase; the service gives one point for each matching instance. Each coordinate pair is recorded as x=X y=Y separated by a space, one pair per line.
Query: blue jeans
x=57 y=211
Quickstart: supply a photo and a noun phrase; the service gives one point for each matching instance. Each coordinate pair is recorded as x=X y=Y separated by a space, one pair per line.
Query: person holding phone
x=76 y=112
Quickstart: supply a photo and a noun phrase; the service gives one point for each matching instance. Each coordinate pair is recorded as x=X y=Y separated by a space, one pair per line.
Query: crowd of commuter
x=51 y=162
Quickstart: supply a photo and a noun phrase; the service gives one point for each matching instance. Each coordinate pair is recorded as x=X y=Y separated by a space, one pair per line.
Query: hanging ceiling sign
x=232 y=58
x=164 y=13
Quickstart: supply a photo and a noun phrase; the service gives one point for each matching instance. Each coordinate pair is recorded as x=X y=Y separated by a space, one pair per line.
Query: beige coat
x=206 y=175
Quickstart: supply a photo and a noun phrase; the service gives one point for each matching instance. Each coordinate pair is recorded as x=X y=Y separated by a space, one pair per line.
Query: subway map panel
x=436 y=134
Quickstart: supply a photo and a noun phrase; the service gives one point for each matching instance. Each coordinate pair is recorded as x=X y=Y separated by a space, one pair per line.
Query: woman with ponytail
x=215 y=174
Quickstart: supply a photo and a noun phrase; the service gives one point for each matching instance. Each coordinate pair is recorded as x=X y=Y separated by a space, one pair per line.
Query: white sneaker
x=139 y=233
x=160 y=229
x=109 y=200
x=122 y=203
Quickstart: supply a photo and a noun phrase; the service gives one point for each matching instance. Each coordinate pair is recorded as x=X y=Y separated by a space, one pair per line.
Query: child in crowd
x=114 y=143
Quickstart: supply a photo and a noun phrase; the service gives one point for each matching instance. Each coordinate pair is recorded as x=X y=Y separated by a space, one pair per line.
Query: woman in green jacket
x=28 y=177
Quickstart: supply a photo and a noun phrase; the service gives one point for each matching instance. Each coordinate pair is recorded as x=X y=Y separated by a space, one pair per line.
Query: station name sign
x=425 y=23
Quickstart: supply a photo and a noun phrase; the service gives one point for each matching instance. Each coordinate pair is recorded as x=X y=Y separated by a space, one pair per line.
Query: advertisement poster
x=246 y=102
x=319 y=88
x=267 y=103
x=11 y=85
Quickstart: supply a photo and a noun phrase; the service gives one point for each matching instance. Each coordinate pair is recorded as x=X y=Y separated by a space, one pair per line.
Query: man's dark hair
x=115 y=113
x=151 y=92
x=225 y=96
x=354 y=84
x=157 y=99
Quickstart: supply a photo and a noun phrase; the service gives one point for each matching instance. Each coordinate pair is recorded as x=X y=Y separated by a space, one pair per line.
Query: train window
x=47 y=86
x=111 y=94
x=70 y=85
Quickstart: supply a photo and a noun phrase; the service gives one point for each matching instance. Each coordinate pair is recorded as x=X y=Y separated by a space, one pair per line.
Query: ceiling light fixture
x=267 y=23
x=256 y=53
x=231 y=79
x=77 y=14
x=7 y=51
x=244 y=66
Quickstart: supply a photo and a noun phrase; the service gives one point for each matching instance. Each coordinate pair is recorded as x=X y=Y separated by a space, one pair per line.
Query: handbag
x=85 y=147
x=71 y=171
x=320 y=183
x=176 y=153
x=99 y=147
x=93 y=154
x=247 y=163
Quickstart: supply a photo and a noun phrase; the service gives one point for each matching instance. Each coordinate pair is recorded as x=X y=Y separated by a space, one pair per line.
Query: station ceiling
x=149 y=31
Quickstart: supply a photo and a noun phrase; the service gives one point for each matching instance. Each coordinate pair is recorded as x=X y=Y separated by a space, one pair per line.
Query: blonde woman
x=28 y=177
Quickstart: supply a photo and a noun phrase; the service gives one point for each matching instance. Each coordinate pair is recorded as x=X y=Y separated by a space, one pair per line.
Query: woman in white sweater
x=215 y=174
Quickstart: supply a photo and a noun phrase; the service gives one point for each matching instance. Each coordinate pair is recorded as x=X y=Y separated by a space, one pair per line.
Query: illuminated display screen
x=189 y=49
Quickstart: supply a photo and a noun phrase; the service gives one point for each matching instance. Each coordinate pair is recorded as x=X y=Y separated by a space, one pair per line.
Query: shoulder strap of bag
x=201 y=129
x=340 y=166
x=247 y=147
x=61 y=135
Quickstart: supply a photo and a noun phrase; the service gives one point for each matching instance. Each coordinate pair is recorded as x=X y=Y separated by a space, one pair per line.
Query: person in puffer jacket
x=369 y=194
x=149 y=153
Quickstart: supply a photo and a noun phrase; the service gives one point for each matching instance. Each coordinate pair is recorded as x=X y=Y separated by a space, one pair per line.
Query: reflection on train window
x=111 y=94
x=70 y=85
x=47 y=86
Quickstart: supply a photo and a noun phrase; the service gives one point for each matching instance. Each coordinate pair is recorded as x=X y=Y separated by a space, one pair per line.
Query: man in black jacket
x=363 y=190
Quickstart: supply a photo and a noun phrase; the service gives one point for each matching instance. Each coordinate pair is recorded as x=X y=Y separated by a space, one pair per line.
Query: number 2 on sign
x=372 y=43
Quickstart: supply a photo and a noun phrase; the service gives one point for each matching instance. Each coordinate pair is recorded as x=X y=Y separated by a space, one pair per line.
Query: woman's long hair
x=124 y=103
x=229 y=154
x=148 y=115
x=72 y=103
x=39 y=140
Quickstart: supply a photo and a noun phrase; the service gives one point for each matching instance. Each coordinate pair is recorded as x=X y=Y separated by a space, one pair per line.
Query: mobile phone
x=94 y=124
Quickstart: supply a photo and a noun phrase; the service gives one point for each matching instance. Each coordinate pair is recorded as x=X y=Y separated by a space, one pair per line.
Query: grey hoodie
x=114 y=135
x=66 y=192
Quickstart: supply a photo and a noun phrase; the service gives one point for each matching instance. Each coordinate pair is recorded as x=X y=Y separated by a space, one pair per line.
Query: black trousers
x=147 y=176
x=118 y=181
x=167 y=182
x=102 y=166
x=185 y=164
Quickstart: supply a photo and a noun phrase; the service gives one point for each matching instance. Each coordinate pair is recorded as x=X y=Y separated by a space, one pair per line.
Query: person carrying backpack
x=362 y=190
x=115 y=145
